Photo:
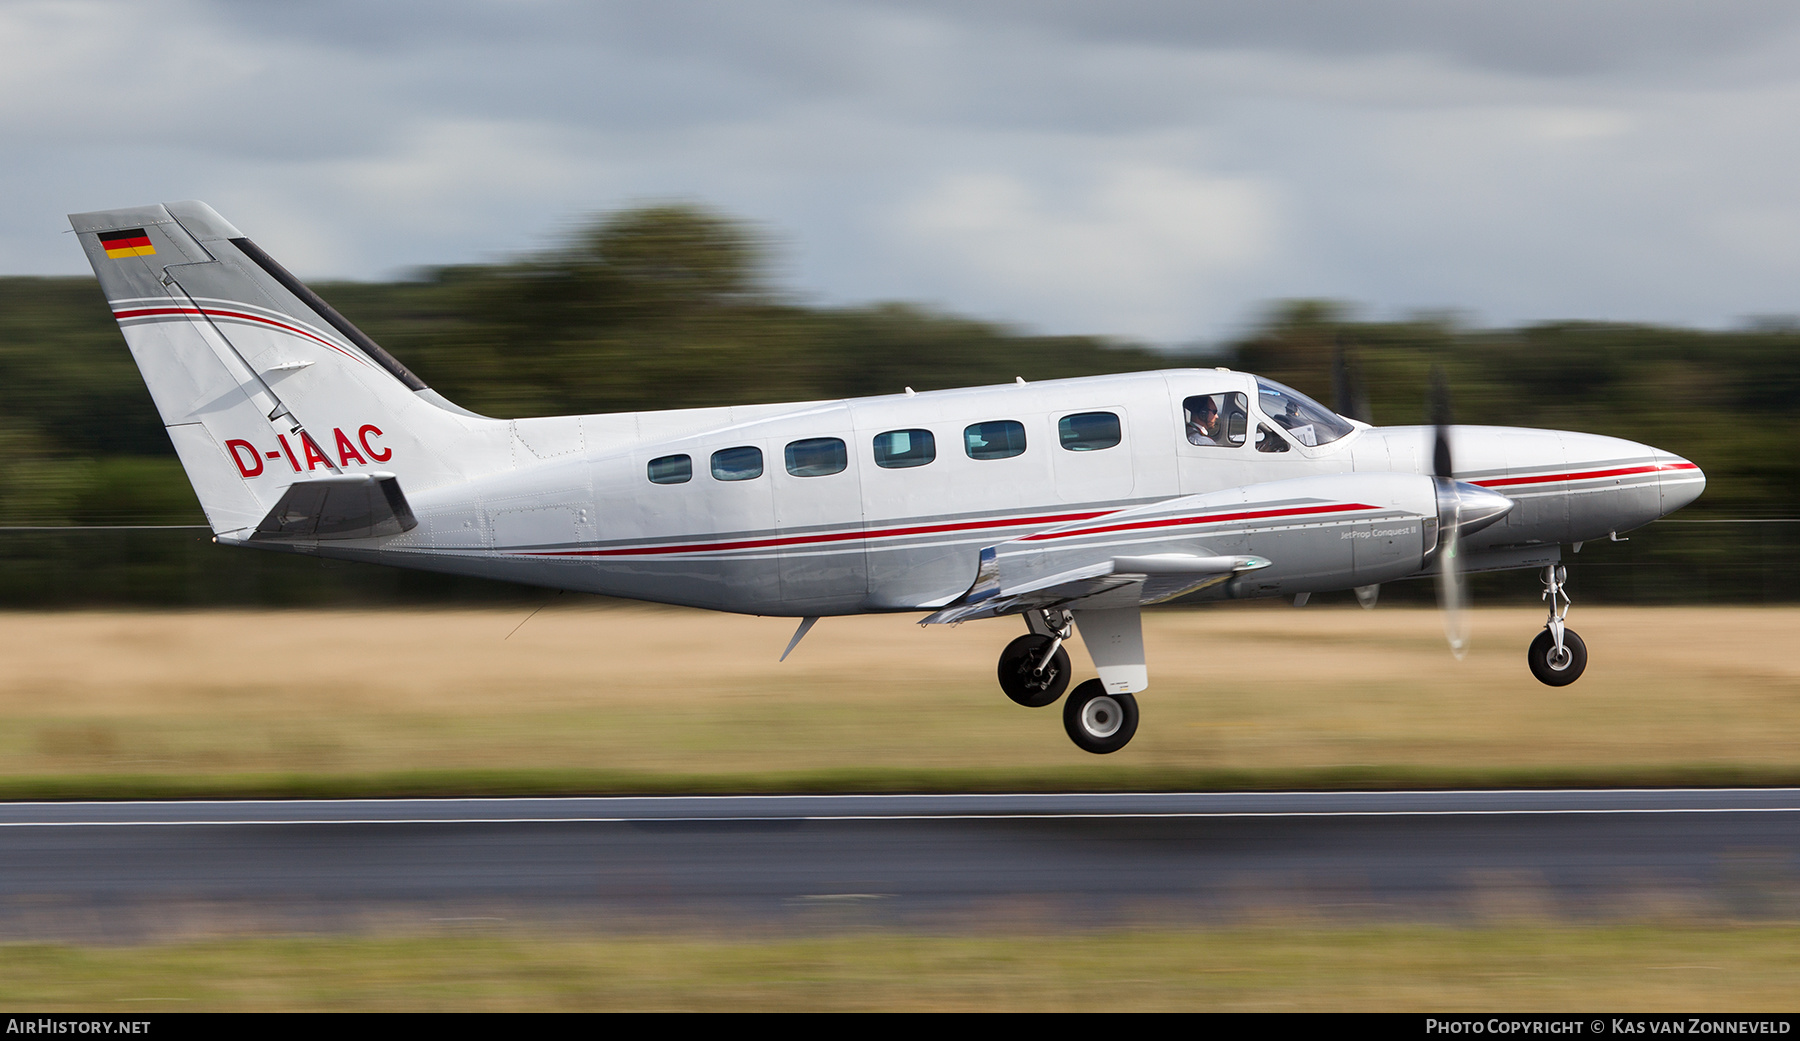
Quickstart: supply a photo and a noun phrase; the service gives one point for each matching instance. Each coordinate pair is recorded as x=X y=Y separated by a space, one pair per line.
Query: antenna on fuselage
x=806 y=625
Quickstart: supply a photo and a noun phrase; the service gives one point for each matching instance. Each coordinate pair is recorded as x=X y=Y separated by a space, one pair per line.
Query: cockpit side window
x=1216 y=419
x=1268 y=440
x=1305 y=420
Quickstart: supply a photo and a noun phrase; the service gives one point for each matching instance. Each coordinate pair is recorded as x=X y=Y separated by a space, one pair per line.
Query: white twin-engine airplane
x=1069 y=503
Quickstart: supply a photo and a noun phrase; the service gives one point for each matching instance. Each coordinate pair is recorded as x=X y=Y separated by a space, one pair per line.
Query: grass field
x=589 y=697
x=594 y=697
x=1292 y=967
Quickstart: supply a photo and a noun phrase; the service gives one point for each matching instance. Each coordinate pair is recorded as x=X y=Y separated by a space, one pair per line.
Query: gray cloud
x=1142 y=169
x=1533 y=37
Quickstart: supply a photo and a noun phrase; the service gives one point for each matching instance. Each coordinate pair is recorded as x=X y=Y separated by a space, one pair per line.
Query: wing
x=1311 y=533
x=1109 y=584
x=1322 y=532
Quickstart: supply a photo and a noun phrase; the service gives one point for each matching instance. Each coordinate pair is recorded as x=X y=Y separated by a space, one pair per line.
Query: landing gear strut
x=1034 y=669
x=1557 y=657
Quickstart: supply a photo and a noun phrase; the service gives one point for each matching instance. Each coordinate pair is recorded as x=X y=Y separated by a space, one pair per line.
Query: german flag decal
x=121 y=244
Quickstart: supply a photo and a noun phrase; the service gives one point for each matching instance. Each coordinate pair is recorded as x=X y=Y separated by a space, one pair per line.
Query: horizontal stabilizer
x=355 y=506
x=1118 y=583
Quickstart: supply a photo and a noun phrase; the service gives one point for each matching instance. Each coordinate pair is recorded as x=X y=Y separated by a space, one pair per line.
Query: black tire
x=1099 y=722
x=1542 y=654
x=1018 y=675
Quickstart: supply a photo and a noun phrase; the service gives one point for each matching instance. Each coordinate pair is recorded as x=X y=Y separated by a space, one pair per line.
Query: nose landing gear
x=1557 y=656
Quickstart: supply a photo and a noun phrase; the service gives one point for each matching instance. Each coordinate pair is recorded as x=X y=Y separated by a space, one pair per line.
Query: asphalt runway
x=124 y=871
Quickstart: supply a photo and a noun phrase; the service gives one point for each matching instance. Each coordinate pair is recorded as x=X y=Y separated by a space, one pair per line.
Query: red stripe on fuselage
x=1204 y=518
x=930 y=529
x=1583 y=475
x=802 y=540
x=1217 y=518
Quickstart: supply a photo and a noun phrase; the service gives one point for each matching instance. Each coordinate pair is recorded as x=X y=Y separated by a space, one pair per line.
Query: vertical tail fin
x=260 y=383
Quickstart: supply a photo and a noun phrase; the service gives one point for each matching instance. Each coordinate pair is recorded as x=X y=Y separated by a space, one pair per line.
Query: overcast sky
x=1150 y=170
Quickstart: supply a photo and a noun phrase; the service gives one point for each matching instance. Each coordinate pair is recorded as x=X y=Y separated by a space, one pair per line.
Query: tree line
x=674 y=306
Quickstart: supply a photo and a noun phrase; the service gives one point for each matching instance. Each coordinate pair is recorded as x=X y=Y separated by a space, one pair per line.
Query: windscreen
x=1305 y=420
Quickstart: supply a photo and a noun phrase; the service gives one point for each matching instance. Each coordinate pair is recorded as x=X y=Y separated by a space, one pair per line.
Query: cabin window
x=1088 y=431
x=1216 y=419
x=671 y=469
x=817 y=457
x=1305 y=420
x=737 y=464
x=899 y=449
x=995 y=439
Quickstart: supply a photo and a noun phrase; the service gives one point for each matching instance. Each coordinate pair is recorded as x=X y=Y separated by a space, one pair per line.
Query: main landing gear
x=1099 y=722
x=1557 y=657
x=1034 y=669
x=1034 y=672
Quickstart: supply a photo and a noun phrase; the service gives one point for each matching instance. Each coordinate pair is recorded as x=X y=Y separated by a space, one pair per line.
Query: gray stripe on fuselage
x=1559 y=468
x=857 y=533
x=1248 y=525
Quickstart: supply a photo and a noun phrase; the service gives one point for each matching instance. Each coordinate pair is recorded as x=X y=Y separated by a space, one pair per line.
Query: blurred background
x=1583 y=213
x=674 y=305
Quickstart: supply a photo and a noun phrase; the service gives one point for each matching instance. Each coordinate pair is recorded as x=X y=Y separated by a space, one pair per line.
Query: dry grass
x=1737 y=969
x=657 y=691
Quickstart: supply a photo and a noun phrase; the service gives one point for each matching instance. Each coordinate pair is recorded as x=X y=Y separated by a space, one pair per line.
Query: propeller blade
x=1348 y=398
x=1463 y=510
x=1452 y=590
x=1452 y=593
x=1439 y=408
x=1341 y=401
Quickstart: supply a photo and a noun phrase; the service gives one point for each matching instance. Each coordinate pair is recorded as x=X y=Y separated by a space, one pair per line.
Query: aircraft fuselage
x=585 y=514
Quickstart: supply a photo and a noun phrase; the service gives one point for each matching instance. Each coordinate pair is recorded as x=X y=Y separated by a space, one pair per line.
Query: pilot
x=1203 y=422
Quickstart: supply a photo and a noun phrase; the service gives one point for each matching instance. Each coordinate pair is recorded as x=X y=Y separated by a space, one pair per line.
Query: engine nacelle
x=1309 y=534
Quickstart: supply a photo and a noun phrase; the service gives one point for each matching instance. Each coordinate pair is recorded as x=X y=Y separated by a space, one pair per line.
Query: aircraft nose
x=1679 y=481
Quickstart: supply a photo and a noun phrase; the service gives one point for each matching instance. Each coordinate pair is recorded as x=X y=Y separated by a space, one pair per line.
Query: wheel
x=1548 y=668
x=1020 y=679
x=1099 y=722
